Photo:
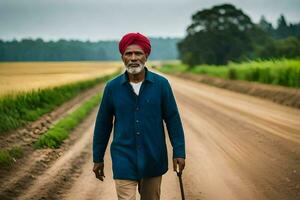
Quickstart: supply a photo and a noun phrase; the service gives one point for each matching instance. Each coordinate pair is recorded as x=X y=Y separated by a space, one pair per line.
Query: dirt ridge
x=279 y=94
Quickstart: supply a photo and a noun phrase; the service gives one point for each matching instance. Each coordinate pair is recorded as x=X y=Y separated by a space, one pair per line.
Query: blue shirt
x=138 y=148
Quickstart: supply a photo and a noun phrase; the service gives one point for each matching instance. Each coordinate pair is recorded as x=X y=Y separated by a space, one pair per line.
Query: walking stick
x=181 y=185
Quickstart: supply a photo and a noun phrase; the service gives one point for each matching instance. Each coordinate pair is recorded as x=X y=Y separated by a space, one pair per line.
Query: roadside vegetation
x=60 y=131
x=8 y=156
x=283 y=72
x=19 y=109
x=55 y=135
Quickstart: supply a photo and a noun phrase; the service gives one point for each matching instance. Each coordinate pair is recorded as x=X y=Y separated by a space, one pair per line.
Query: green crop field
x=284 y=72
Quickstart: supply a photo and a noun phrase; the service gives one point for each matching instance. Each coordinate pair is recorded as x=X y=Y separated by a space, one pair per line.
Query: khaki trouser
x=149 y=188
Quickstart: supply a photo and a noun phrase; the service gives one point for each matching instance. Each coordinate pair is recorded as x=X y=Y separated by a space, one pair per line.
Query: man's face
x=134 y=59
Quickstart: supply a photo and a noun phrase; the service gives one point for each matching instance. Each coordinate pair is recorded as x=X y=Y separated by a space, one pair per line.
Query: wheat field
x=25 y=76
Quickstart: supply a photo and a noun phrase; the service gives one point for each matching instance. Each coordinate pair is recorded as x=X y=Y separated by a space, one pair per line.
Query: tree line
x=75 y=50
x=224 y=33
x=216 y=36
x=283 y=29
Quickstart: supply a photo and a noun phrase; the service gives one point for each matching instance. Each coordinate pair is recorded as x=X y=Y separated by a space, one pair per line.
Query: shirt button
x=137 y=133
x=137 y=121
x=137 y=108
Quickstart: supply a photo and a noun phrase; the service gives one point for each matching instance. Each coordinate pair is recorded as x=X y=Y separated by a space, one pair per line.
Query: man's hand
x=180 y=162
x=98 y=169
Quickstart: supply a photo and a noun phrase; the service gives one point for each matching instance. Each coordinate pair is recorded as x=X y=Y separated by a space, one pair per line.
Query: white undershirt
x=136 y=87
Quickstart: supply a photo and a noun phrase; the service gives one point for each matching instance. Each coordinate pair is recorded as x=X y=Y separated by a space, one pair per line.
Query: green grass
x=19 y=109
x=55 y=135
x=8 y=156
x=284 y=72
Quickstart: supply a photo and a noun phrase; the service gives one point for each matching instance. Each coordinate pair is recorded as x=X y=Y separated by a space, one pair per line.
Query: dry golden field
x=25 y=76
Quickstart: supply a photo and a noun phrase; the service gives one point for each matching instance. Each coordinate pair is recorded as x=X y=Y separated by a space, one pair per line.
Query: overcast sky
x=110 y=19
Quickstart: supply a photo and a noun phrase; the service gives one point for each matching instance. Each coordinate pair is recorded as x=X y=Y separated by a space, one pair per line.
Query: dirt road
x=238 y=147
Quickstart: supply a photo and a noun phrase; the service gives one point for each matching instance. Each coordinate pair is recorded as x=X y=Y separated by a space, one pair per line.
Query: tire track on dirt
x=233 y=152
x=62 y=168
x=270 y=161
x=280 y=120
x=208 y=171
x=228 y=156
x=21 y=177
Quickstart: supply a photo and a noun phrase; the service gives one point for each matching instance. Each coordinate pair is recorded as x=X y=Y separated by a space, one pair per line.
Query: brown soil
x=238 y=147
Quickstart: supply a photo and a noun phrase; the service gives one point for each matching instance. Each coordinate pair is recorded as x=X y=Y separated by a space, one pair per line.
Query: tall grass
x=8 y=156
x=19 y=109
x=284 y=72
x=55 y=135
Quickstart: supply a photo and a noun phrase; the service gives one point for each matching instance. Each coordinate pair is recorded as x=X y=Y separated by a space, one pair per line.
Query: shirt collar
x=148 y=76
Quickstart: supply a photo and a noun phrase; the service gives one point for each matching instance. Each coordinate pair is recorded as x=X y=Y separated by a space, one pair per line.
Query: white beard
x=134 y=70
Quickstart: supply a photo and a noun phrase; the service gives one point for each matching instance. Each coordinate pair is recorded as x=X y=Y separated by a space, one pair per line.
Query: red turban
x=135 y=38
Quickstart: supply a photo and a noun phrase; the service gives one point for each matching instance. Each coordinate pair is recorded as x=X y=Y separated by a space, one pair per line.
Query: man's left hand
x=180 y=162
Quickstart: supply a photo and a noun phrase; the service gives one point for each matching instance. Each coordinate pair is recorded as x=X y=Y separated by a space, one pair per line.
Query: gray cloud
x=110 y=19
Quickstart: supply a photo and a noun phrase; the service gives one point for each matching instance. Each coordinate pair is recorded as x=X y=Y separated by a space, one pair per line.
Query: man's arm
x=103 y=127
x=173 y=122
